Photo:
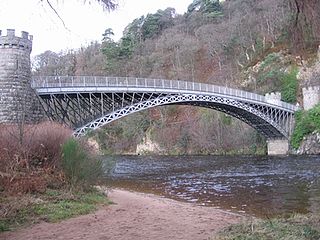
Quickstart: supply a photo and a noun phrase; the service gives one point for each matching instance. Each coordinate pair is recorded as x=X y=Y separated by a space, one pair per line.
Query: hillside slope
x=258 y=46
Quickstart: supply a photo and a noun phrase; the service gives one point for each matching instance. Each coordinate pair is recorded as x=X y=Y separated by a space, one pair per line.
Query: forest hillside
x=255 y=45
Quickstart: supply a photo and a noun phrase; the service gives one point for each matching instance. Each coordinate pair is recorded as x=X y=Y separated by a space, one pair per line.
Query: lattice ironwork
x=87 y=105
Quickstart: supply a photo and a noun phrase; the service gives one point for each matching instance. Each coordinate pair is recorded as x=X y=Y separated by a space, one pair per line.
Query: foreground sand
x=135 y=216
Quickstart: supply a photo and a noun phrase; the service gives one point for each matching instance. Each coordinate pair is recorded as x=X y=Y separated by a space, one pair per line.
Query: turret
x=18 y=101
x=24 y=42
x=311 y=97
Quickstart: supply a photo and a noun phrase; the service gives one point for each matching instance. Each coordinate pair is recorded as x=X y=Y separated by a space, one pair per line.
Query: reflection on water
x=262 y=186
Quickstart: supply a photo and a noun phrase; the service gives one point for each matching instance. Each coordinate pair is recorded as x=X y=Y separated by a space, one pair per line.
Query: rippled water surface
x=262 y=186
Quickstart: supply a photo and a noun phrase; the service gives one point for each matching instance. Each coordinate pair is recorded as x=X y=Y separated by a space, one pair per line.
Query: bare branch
x=55 y=11
x=108 y=5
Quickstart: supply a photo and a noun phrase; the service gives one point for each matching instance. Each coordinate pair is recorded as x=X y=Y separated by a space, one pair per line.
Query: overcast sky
x=86 y=22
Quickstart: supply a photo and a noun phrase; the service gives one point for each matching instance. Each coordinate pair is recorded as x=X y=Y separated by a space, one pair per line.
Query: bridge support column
x=278 y=147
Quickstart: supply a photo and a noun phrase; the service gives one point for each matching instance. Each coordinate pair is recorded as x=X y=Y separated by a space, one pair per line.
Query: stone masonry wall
x=311 y=97
x=278 y=147
x=18 y=101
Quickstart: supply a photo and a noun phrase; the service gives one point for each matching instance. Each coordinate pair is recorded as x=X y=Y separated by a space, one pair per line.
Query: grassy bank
x=46 y=175
x=51 y=206
x=298 y=227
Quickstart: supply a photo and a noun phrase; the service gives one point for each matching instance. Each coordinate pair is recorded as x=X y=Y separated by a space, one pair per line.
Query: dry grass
x=30 y=156
x=297 y=227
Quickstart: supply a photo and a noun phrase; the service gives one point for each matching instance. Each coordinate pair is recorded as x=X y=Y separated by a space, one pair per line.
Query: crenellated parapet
x=273 y=97
x=311 y=89
x=311 y=97
x=18 y=42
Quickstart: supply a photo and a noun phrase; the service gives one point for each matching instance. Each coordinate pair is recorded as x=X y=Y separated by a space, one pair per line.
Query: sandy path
x=135 y=216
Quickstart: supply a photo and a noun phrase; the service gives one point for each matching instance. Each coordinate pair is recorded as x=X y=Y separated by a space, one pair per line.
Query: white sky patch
x=85 y=21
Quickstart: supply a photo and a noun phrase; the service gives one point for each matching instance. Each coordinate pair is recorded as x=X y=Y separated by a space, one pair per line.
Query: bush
x=29 y=154
x=269 y=60
x=82 y=168
x=306 y=123
x=290 y=86
x=30 y=146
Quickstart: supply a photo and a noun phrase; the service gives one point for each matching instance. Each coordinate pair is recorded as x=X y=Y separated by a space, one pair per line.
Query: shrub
x=270 y=59
x=306 y=123
x=290 y=86
x=30 y=146
x=272 y=74
x=82 y=168
x=29 y=154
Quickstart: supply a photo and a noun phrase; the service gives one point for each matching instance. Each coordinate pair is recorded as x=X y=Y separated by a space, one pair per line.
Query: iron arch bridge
x=87 y=102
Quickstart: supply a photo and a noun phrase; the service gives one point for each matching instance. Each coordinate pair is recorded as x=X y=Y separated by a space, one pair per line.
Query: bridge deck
x=73 y=84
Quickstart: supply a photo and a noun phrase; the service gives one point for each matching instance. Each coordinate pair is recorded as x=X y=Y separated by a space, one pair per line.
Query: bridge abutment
x=18 y=101
x=277 y=147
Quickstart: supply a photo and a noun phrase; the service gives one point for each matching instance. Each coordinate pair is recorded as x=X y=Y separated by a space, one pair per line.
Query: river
x=259 y=186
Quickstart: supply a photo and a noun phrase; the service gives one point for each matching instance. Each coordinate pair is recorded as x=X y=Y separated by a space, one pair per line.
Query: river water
x=259 y=186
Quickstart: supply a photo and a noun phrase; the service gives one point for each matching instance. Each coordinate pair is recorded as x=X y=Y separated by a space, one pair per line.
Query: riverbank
x=135 y=216
x=295 y=227
x=25 y=210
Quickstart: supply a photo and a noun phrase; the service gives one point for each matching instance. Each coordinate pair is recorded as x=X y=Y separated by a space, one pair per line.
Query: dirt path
x=135 y=216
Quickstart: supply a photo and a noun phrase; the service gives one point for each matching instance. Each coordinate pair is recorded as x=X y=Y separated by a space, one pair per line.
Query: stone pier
x=278 y=147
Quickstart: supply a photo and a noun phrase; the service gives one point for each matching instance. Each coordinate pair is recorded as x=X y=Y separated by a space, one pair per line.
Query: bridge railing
x=45 y=82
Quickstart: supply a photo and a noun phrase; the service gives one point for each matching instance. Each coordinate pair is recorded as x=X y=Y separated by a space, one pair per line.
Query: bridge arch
x=255 y=118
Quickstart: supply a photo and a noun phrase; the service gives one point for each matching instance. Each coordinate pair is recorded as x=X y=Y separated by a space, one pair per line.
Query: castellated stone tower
x=18 y=101
x=311 y=97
